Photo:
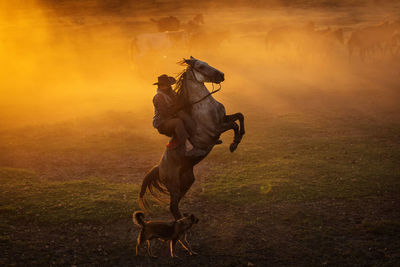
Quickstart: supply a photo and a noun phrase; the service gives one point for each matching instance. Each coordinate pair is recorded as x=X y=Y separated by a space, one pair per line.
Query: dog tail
x=138 y=218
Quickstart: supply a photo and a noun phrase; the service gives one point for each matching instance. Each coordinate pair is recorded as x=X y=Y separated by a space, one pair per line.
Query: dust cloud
x=68 y=59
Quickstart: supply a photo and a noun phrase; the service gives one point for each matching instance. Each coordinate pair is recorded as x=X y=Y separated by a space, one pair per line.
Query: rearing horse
x=174 y=173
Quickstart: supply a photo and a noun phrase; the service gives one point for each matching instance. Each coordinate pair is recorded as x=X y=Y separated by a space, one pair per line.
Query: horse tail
x=138 y=218
x=151 y=182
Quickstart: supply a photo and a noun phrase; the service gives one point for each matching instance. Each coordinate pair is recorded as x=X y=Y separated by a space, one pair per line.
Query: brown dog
x=171 y=231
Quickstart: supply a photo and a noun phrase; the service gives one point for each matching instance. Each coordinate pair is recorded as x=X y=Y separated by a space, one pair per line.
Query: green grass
x=291 y=161
x=26 y=198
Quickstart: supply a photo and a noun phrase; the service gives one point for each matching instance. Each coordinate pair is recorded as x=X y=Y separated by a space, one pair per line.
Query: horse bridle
x=210 y=93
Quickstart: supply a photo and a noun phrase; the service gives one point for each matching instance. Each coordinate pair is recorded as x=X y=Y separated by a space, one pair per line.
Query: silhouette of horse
x=170 y=23
x=373 y=40
x=173 y=175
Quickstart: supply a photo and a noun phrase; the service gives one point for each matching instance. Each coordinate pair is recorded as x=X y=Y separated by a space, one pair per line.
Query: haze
x=62 y=60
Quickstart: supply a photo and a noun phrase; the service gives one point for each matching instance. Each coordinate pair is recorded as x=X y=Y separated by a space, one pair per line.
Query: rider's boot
x=194 y=151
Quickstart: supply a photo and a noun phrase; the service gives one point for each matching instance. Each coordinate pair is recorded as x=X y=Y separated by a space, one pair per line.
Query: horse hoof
x=233 y=147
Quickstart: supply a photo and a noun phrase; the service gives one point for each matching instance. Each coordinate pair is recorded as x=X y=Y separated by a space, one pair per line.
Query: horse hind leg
x=186 y=180
x=175 y=197
x=178 y=190
x=174 y=206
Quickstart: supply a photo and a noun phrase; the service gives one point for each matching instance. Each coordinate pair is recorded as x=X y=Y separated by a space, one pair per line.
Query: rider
x=169 y=118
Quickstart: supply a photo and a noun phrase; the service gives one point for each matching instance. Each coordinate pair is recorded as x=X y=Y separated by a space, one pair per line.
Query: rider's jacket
x=165 y=106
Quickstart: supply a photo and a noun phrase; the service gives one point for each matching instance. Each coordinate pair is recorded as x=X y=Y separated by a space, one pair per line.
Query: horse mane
x=178 y=88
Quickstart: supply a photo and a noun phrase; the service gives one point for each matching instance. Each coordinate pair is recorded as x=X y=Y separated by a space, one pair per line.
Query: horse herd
x=172 y=34
x=376 y=41
x=364 y=42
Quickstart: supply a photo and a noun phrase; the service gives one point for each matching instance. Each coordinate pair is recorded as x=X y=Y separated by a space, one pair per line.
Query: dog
x=172 y=231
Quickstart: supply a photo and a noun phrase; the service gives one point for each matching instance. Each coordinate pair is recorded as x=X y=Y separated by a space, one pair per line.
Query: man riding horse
x=169 y=118
x=189 y=112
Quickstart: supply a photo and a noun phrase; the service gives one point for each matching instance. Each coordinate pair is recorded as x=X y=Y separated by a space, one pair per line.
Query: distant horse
x=395 y=45
x=174 y=173
x=152 y=48
x=372 y=40
x=194 y=25
x=157 y=42
x=170 y=23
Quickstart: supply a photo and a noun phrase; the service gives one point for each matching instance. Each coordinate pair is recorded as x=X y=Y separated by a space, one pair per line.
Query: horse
x=174 y=175
x=157 y=42
x=372 y=40
x=170 y=23
x=152 y=49
x=395 y=45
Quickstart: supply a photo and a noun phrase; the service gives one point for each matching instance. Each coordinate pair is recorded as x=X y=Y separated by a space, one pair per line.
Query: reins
x=210 y=93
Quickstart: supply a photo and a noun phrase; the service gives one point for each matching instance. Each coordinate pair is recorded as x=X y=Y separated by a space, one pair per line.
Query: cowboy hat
x=165 y=80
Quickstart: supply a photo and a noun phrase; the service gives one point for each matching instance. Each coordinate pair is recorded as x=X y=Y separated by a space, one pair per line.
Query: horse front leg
x=234 y=117
x=237 y=136
x=229 y=123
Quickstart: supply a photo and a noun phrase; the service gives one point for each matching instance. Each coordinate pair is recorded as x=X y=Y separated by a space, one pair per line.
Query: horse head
x=204 y=72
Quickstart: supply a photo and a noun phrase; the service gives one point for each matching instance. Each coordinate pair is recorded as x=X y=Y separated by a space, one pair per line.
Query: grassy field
x=302 y=189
